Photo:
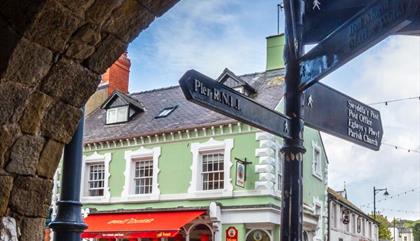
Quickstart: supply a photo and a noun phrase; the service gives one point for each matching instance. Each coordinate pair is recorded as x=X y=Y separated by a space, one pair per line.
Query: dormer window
x=165 y=112
x=117 y=115
x=229 y=79
x=121 y=108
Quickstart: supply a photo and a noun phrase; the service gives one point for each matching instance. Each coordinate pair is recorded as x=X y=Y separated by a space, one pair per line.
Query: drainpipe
x=328 y=222
x=68 y=224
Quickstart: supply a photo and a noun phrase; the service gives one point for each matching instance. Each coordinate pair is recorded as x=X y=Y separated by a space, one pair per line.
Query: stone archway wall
x=52 y=53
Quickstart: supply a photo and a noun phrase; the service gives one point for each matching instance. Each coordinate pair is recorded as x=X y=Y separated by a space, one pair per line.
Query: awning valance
x=138 y=225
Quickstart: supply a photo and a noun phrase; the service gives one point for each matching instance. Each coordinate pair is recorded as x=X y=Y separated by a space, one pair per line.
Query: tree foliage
x=416 y=231
x=384 y=232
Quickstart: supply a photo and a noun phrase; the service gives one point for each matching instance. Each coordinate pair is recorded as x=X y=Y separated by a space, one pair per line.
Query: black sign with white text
x=213 y=95
x=366 y=28
x=337 y=114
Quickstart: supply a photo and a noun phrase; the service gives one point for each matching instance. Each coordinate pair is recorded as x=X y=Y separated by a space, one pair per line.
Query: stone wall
x=52 y=54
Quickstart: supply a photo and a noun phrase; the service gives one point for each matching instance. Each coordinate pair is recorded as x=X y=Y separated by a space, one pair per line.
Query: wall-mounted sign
x=241 y=171
x=231 y=234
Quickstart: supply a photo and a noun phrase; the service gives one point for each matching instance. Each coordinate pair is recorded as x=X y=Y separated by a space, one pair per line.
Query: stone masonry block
x=71 y=82
x=32 y=229
x=6 y=184
x=53 y=26
x=8 y=229
x=29 y=63
x=60 y=121
x=34 y=112
x=12 y=101
x=24 y=155
x=8 y=135
x=101 y=10
x=108 y=50
x=31 y=196
x=50 y=157
x=127 y=21
x=77 y=7
x=158 y=7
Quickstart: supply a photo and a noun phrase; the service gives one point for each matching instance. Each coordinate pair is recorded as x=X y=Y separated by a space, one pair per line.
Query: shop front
x=149 y=226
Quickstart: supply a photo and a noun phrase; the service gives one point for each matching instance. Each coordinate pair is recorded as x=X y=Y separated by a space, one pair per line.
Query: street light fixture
x=377 y=190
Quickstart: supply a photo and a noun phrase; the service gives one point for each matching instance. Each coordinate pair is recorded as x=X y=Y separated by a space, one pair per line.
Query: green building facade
x=154 y=153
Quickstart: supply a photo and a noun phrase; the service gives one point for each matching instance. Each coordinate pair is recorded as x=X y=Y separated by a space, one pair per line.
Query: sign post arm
x=293 y=149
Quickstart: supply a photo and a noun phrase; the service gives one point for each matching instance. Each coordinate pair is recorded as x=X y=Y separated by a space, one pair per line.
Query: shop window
x=95 y=175
x=141 y=173
x=258 y=235
x=211 y=166
x=316 y=161
x=201 y=232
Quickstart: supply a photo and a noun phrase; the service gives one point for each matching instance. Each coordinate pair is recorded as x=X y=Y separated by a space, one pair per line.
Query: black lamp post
x=377 y=190
x=68 y=225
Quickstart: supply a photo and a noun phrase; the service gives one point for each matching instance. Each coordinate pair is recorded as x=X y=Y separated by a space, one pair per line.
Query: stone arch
x=53 y=52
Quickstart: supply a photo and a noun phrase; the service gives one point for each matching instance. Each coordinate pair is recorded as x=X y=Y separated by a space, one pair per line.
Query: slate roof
x=335 y=195
x=269 y=86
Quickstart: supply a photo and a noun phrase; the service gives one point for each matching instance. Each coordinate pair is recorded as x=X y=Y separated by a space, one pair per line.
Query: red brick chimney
x=117 y=76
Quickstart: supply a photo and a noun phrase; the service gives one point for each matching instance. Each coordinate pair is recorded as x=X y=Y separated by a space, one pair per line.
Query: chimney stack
x=275 y=47
x=117 y=76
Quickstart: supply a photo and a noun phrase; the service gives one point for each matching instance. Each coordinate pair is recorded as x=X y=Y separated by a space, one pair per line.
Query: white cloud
x=389 y=71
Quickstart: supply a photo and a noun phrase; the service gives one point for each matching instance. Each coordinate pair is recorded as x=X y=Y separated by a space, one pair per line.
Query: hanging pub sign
x=231 y=234
x=346 y=216
x=241 y=171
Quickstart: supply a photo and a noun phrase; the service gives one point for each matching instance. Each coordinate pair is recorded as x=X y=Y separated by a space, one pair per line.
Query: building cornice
x=227 y=129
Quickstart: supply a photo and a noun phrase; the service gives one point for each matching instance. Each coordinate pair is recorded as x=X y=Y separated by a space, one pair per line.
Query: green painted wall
x=176 y=159
x=186 y=203
x=275 y=47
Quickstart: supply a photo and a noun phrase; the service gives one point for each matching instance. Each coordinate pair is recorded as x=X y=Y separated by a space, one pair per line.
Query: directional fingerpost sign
x=368 y=27
x=337 y=114
x=213 y=95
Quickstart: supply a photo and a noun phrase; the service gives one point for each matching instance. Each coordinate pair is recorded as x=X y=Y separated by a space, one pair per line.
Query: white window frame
x=279 y=171
x=130 y=158
x=212 y=153
x=95 y=158
x=195 y=188
x=316 y=173
x=334 y=215
x=117 y=110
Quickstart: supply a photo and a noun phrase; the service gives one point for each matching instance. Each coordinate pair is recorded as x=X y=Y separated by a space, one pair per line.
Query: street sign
x=322 y=17
x=213 y=95
x=337 y=114
x=368 y=27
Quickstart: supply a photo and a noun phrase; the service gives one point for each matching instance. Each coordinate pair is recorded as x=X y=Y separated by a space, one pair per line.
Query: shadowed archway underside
x=51 y=57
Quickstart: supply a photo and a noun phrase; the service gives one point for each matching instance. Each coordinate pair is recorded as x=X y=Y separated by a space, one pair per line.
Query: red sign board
x=231 y=234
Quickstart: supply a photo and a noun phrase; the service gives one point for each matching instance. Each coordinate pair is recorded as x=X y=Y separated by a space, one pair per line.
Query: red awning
x=137 y=225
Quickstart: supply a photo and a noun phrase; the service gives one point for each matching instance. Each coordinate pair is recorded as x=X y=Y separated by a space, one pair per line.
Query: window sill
x=94 y=199
x=210 y=194
x=141 y=197
x=318 y=176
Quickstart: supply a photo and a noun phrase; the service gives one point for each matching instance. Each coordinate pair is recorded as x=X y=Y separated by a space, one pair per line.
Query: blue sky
x=211 y=35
